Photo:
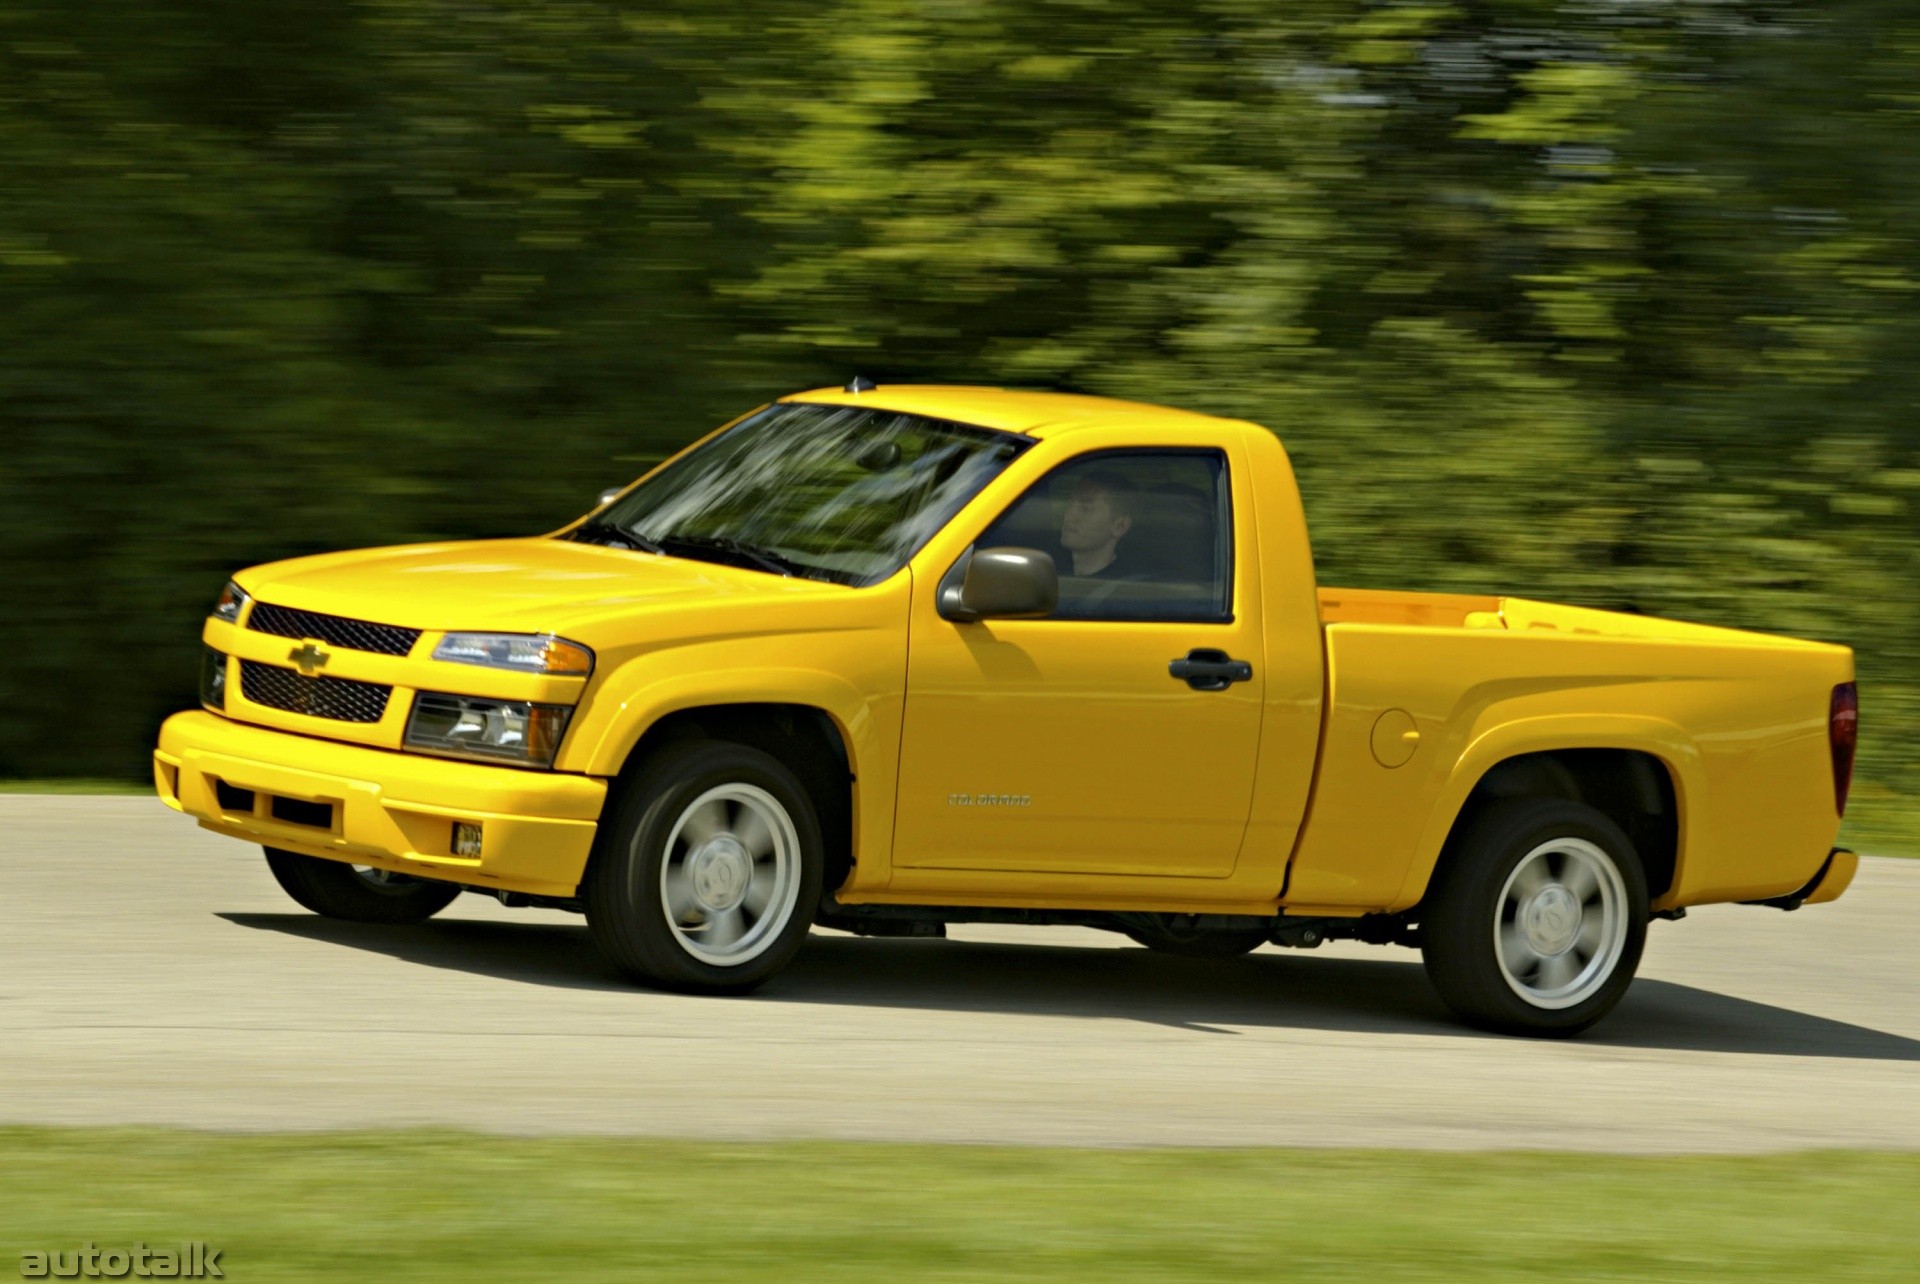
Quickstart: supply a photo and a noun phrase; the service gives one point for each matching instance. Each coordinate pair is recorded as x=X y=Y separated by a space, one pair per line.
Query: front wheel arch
x=806 y=738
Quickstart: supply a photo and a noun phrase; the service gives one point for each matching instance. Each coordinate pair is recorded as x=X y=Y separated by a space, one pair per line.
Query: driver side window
x=1135 y=535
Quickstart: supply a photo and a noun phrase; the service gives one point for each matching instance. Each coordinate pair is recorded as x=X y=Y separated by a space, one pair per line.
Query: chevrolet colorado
x=885 y=658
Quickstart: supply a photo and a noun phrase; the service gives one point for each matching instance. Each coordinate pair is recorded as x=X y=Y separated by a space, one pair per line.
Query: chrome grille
x=354 y=635
x=341 y=699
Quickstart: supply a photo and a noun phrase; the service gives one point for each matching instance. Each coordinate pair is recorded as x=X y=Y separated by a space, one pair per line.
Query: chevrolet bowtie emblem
x=308 y=657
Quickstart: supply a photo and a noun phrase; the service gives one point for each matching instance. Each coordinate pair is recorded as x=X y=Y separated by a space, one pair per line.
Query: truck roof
x=1032 y=414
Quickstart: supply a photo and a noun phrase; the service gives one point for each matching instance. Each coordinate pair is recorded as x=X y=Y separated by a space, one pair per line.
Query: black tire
x=1515 y=960
x=339 y=890
x=1172 y=934
x=647 y=844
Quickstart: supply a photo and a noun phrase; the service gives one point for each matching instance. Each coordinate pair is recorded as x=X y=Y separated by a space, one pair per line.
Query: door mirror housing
x=1000 y=584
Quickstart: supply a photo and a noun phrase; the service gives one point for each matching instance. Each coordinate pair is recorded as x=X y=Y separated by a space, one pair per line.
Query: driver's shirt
x=1120 y=568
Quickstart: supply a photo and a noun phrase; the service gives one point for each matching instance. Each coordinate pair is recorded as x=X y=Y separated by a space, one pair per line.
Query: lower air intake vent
x=296 y=811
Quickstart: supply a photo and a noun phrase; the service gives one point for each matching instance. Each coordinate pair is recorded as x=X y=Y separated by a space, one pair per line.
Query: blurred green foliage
x=1606 y=301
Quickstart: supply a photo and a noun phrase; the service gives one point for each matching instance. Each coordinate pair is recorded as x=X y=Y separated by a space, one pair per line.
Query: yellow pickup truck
x=882 y=659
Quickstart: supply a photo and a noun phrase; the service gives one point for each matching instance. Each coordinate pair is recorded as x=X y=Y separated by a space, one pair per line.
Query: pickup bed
x=882 y=659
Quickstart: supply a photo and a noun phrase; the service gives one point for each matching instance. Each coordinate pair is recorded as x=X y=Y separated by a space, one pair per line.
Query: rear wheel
x=706 y=876
x=1537 y=922
x=357 y=893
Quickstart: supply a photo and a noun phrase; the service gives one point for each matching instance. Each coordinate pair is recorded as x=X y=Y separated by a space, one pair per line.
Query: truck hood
x=510 y=585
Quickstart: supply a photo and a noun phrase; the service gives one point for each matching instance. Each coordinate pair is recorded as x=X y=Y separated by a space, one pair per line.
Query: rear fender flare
x=1664 y=740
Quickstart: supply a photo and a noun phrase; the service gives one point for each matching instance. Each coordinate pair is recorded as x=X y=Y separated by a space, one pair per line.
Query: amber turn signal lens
x=233 y=599
x=567 y=657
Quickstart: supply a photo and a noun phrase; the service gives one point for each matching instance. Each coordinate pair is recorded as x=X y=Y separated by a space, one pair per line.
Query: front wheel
x=1536 y=923
x=706 y=876
x=357 y=893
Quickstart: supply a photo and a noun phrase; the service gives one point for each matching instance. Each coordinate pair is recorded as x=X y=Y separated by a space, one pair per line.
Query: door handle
x=1205 y=669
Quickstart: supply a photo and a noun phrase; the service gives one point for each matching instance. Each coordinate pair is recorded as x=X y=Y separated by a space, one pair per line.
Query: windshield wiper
x=601 y=531
x=765 y=558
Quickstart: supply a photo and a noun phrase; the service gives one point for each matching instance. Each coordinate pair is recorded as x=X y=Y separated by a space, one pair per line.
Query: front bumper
x=379 y=807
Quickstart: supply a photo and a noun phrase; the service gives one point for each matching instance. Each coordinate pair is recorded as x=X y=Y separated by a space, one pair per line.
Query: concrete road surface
x=151 y=972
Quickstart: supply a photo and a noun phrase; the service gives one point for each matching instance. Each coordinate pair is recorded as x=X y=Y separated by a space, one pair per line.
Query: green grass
x=76 y=786
x=418 y=1205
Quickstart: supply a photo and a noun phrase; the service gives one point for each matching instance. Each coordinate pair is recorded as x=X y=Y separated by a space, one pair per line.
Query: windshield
x=829 y=492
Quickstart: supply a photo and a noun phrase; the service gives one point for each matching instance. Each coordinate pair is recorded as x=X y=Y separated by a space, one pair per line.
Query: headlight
x=213 y=679
x=525 y=652
x=232 y=599
x=515 y=731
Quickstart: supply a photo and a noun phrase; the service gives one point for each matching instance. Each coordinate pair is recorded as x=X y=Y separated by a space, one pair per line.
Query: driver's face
x=1090 y=521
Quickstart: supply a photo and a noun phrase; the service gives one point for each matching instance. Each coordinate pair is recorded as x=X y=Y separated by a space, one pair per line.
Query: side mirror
x=610 y=494
x=1000 y=583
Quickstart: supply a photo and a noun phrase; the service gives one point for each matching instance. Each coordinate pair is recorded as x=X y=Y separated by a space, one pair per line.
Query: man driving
x=1098 y=516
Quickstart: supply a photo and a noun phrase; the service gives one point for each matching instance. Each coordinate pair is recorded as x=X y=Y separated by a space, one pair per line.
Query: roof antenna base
x=861 y=383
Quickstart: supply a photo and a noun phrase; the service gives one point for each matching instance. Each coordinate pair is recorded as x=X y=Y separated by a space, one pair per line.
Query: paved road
x=153 y=973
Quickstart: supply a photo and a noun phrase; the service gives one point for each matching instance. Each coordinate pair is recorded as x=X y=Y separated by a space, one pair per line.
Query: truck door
x=1118 y=735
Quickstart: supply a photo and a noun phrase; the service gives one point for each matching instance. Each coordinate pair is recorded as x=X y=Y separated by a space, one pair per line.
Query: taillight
x=1843 y=733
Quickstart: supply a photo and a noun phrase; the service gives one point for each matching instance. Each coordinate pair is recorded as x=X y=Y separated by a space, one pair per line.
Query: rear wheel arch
x=1633 y=788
